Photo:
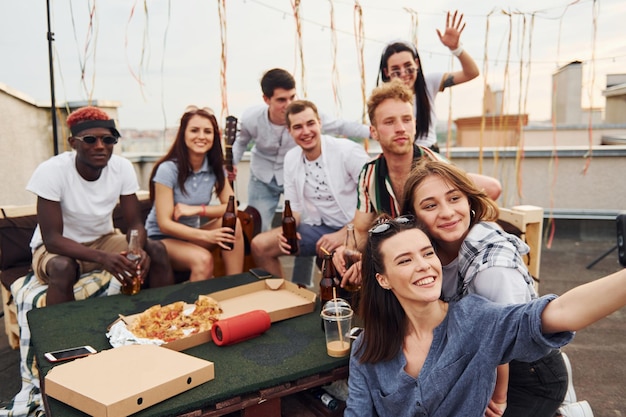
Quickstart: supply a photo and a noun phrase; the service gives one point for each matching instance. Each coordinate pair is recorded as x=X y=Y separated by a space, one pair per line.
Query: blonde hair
x=394 y=89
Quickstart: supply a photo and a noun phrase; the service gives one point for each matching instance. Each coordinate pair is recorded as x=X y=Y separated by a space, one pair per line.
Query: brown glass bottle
x=229 y=219
x=329 y=284
x=351 y=255
x=289 y=228
x=134 y=255
x=329 y=280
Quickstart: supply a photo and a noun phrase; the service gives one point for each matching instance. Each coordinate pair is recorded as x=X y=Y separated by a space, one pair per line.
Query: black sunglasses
x=91 y=139
x=385 y=225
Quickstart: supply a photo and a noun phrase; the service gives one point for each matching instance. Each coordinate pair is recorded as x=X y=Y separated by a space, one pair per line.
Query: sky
x=156 y=57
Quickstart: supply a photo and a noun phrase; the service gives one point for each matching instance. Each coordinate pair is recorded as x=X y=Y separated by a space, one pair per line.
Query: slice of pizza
x=177 y=320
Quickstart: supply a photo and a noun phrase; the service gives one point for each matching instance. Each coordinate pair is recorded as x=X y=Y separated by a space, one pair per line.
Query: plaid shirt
x=375 y=193
x=486 y=246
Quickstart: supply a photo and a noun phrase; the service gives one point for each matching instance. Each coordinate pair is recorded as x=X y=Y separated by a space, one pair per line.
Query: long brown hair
x=384 y=319
x=485 y=209
x=179 y=152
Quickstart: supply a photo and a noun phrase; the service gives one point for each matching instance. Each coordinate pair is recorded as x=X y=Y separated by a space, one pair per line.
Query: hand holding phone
x=71 y=353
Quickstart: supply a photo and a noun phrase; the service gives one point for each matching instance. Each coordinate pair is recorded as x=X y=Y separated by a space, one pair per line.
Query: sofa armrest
x=16 y=229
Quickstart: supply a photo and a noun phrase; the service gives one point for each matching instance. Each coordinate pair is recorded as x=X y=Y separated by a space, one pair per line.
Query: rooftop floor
x=597 y=353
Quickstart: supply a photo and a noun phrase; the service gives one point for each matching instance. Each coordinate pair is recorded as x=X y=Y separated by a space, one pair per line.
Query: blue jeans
x=303 y=264
x=264 y=197
x=536 y=388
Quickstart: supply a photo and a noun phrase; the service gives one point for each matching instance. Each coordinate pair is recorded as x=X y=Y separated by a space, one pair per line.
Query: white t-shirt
x=87 y=206
x=433 y=81
x=320 y=202
x=341 y=162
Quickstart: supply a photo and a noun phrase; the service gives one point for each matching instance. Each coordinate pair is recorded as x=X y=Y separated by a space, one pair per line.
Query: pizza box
x=125 y=380
x=279 y=298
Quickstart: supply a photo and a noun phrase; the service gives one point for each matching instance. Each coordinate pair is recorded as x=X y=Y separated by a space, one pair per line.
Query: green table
x=288 y=358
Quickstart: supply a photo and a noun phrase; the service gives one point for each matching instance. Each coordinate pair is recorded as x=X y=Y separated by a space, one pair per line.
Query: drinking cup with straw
x=337 y=315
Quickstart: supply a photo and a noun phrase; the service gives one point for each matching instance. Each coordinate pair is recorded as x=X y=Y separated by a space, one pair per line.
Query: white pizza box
x=122 y=381
x=279 y=298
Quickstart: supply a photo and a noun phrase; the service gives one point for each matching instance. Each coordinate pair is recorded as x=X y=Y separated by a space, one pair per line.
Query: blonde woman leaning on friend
x=479 y=258
x=421 y=356
x=181 y=186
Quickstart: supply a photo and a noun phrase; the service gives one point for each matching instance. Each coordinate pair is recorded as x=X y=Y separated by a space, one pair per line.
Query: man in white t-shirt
x=321 y=175
x=76 y=194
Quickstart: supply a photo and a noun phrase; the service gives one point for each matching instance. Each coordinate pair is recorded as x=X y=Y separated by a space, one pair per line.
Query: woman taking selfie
x=421 y=356
x=479 y=258
x=181 y=186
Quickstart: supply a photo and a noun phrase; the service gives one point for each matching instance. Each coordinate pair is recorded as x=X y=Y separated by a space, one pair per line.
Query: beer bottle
x=133 y=254
x=329 y=280
x=289 y=228
x=328 y=400
x=229 y=219
x=351 y=254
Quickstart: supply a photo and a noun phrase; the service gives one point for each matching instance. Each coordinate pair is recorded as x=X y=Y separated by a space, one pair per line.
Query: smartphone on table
x=71 y=353
x=260 y=273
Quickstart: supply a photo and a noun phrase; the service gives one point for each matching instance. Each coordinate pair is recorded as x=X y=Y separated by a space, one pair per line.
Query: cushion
x=15 y=236
x=9 y=276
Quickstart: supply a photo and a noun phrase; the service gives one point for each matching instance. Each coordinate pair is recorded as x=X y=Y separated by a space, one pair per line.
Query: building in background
x=571 y=120
x=26 y=139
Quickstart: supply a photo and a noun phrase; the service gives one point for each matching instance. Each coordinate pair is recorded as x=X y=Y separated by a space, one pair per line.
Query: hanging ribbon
x=359 y=36
x=483 y=119
x=335 y=70
x=167 y=26
x=592 y=71
x=221 y=9
x=137 y=75
x=554 y=161
x=519 y=155
x=414 y=22
x=295 y=4
x=502 y=119
x=91 y=35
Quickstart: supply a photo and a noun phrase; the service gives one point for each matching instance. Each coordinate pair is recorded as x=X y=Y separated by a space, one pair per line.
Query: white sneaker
x=570 y=396
x=578 y=409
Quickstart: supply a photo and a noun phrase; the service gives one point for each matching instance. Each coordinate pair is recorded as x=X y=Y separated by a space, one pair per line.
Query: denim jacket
x=458 y=375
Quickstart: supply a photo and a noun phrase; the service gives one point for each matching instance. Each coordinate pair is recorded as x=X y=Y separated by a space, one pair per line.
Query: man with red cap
x=76 y=194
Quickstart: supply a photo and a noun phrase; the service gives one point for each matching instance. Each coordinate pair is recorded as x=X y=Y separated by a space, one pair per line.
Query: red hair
x=85 y=114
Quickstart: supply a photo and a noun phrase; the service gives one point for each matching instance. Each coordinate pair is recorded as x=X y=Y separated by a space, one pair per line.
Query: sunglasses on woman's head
x=385 y=225
x=91 y=139
x=192 y=108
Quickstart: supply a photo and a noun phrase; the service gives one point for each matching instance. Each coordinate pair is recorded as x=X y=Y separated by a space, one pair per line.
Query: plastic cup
x=337 y=317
